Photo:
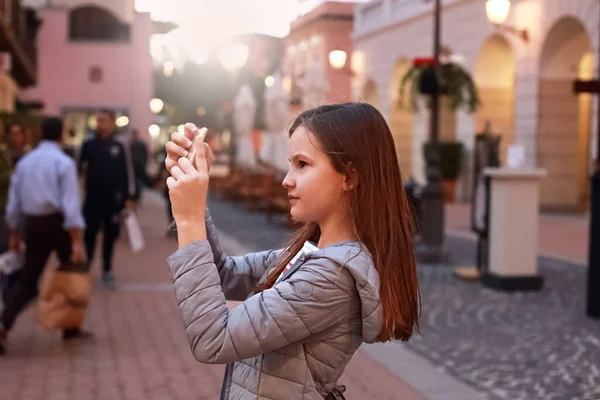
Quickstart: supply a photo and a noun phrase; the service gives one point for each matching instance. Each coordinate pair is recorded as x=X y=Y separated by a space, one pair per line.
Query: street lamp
x=497 y=13
x=156 y=105
x=432 y=197
x=234 y=57
x=154 y=131
x=122 y=121
x=337 y=59
x=168 y=68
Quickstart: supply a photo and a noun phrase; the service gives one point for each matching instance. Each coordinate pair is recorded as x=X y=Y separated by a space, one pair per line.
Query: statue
x=274 y=149
x=244 y=110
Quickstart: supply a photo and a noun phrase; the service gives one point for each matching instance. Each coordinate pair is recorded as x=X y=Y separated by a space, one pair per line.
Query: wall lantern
x=497 y=13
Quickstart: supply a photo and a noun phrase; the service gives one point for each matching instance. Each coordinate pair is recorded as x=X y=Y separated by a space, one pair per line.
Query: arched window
x=90 y=23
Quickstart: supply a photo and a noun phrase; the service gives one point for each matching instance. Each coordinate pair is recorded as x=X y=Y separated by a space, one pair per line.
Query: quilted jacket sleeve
x=318 y=296
x=239 y=275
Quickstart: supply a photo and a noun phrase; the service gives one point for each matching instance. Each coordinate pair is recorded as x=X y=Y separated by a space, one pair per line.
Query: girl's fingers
x=175 y=150
x=171 y=182
x=201 y=164
x=180 y=140
x=190 y=131
x=177 y=173
x=186 y=166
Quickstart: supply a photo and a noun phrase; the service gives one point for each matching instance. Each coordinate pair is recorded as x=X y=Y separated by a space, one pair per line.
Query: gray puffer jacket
x=292 y=341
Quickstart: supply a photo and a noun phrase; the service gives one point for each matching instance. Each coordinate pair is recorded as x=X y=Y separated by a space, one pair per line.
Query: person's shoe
x=3 y=339
x=76 y=334
x=108 y=279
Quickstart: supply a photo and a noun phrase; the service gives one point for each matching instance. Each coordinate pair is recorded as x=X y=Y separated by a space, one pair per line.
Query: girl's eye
x=302 y=164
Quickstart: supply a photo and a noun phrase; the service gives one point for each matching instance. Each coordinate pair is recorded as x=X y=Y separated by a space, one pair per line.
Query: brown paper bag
x=64 y=298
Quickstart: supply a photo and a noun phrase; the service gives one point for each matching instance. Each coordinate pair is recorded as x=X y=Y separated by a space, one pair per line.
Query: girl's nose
x=288 y=182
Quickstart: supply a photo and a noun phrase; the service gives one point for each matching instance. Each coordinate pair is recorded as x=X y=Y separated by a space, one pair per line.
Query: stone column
x=513 y=229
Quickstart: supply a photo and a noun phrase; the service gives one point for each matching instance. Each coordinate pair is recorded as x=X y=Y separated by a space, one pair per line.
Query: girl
x=353 y=281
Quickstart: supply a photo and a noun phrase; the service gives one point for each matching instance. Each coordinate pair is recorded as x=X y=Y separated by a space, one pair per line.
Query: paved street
x=140 y=351
x=474 y=340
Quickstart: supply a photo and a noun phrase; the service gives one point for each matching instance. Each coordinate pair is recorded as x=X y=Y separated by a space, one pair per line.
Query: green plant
x=451 y=157
x=450 y=79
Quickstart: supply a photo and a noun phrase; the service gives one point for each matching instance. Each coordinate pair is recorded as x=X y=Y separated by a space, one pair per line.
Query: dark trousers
x=97 y=219
x=43 y=235
x=4 y=233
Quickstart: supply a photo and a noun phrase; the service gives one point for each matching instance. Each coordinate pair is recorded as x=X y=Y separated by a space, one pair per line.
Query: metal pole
x=593 y=295
x=432 y=199
x=435 y=99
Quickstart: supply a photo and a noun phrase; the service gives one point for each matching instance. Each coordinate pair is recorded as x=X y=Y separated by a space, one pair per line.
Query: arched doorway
x=564 y=118
x=94 y=23
x=401 y=120
x=495 y=80
x=370 y=94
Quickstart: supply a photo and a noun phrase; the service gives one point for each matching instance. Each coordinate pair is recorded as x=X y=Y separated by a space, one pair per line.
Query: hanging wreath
x=447 y=78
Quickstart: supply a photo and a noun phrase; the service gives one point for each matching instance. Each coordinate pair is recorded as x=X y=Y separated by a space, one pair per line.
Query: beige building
x=526 y=86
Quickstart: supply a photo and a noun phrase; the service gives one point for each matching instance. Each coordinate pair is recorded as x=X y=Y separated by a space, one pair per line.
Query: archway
x=401 y=121
x=564 y=119
x=370 y=94
x=95 y=23
x=495 y=80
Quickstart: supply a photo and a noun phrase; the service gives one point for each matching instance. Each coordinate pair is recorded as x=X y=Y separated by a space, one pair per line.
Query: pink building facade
x=314 y=36
x=91 y=57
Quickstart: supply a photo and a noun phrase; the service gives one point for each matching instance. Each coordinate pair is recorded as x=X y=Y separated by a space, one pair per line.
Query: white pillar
x=513 y=229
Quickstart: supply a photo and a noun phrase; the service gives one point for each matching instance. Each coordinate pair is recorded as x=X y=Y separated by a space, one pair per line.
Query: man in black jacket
x=109 y=187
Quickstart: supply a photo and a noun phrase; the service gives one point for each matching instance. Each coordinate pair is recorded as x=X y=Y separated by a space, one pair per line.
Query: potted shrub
x=451 y=157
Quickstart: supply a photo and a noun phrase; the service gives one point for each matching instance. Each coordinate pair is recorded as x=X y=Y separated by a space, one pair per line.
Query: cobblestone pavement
x=140 y=351
x=519 y=346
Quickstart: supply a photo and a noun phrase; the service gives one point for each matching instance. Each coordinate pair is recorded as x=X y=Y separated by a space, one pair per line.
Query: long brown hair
x=356 y=137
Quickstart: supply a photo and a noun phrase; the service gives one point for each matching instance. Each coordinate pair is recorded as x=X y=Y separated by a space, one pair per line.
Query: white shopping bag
x=134 y=232
x=11 y=262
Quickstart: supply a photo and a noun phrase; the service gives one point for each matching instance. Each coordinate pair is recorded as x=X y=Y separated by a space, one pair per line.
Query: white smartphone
x=192 y=154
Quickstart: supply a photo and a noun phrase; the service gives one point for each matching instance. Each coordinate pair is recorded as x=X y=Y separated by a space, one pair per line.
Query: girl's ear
x=351 y=178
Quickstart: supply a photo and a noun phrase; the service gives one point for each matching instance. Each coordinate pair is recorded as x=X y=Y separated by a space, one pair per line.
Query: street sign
x=580 y=86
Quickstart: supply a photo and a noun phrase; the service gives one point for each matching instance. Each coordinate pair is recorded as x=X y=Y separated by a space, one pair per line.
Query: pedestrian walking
x=10 y=152
x=110 y=186
x=44 y=202
x=347 y=276
x=139 y=157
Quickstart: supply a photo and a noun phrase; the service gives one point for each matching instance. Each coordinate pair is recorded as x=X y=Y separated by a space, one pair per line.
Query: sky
x=224 y=16
x=204 y=24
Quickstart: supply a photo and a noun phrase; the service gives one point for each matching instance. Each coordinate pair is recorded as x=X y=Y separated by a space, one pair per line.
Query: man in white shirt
x=43 y=201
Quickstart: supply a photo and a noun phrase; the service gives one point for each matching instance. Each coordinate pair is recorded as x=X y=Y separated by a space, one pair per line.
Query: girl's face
x=315 y=188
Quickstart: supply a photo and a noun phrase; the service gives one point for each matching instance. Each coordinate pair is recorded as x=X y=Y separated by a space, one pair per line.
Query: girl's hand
x=188 y=187
x=180 y=145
